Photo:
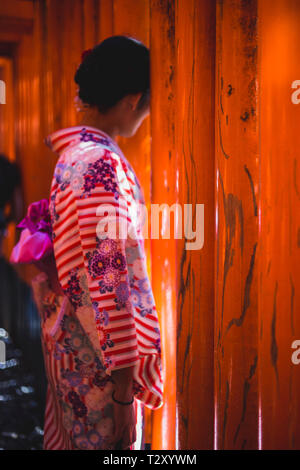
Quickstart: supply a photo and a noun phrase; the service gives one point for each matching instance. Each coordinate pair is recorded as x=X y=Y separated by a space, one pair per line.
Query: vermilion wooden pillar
x=104 y=16
x=194 y=124
x=164 y=175
x=236 y=179
x=279 y=215
x=7 y=145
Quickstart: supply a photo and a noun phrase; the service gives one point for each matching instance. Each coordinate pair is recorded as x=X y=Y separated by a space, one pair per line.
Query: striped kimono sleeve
x=106 y=271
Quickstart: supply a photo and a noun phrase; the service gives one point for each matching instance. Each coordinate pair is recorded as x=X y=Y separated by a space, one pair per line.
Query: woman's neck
x=99 y=121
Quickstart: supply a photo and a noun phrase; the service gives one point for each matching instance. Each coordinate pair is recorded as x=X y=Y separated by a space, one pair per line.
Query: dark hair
x=118 y=66
x=10 y=178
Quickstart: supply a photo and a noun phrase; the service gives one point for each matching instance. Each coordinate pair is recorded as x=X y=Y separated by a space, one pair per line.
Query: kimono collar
x=59 y=140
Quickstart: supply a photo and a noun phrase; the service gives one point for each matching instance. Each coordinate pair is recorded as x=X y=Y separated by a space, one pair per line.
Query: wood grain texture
x=236 y=181
x=194 y=126
x=279 y=215
x=164 y=169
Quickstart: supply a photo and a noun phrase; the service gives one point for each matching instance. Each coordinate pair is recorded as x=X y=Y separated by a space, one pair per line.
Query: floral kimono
x=107 y=318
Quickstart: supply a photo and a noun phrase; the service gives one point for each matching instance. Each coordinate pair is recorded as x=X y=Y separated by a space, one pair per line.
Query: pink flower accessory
x=37 y=218
x=36 y=238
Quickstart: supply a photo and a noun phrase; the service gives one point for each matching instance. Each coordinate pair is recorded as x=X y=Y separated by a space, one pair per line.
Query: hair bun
x=116 y=67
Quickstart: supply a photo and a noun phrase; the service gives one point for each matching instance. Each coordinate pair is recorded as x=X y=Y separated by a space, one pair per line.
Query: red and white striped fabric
x=104 y=278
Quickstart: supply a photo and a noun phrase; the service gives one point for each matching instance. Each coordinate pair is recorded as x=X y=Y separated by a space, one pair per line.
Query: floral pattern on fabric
x=83 y=392
x=50 y=305
x=73 y=288
x=106 y=263
x=86 y=136
x=112 y=320
x=105 y=257
x=102 y=172
x=113 y=267
x=80 y=175
x=82 y=388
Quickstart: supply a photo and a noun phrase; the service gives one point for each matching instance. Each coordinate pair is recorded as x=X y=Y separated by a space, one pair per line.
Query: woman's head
x=114 y=81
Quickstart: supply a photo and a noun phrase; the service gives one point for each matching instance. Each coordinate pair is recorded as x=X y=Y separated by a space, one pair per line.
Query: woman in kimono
x=100 y=329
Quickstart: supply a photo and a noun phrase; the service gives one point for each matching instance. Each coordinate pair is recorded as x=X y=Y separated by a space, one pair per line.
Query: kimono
x=106 y=319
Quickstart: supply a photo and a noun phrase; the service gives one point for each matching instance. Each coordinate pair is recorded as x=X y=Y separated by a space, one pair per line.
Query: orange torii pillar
x=164 y=169
x=194 y=125
x=279 y=224
x=236 y=250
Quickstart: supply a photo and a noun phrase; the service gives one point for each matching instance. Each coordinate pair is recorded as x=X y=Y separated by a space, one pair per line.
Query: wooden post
x=164 y=170
x=194 y=125
x=279 y=221
x=236 y=179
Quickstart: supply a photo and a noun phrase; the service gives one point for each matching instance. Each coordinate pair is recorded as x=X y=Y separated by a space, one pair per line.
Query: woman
x=100 y=329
